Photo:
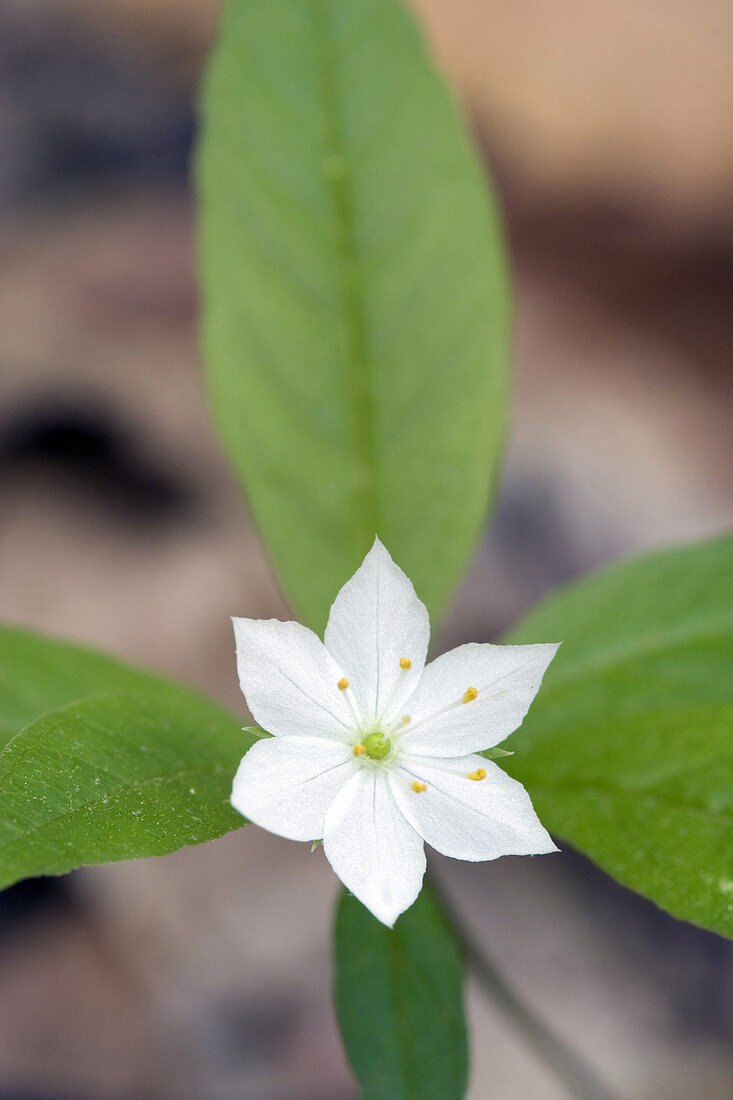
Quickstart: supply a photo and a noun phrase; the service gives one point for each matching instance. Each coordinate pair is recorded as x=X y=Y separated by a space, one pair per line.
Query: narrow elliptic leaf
x=628 y=750
x=399 y=1001
x=354 y=294
x=116 y=776
x=38 y=673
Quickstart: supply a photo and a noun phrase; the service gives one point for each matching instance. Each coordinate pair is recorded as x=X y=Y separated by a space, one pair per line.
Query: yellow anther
x=480 y=773
x=405 y=663
x=405 y=720
x=418 y=787
x=359 y=750
x=469 y=695
x=343 y=684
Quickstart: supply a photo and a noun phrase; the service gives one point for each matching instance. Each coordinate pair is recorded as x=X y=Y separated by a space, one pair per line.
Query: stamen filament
x=343 y=686
x=405 y=666
x=399 y=724
x=445 y=710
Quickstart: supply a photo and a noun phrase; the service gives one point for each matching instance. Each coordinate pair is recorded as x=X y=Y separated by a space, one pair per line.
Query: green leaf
x=38 y=674
x=628 y=751
x=400 y=1003
x=354 y=294
x=116 y=776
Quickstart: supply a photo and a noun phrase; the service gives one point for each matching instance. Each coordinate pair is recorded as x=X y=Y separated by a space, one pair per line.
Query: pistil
x=377 y=745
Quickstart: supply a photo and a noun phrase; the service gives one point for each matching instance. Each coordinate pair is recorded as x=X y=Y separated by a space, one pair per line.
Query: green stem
x=579 y=1079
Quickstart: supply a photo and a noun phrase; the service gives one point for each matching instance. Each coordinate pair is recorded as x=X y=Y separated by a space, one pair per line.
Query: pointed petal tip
x=550 y=649
x=377 y=549
x=386 y=919
x=386 y=916
x=385 y=912
x=544 y=845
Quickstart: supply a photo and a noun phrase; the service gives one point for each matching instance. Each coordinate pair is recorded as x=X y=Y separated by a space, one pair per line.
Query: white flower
x=372 y=750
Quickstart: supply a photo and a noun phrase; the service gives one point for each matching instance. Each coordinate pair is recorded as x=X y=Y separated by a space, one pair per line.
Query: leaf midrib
x=337 y=177
x=400 y=1002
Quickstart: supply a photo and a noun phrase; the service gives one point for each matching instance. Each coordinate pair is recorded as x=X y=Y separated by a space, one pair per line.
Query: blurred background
x=609 y=128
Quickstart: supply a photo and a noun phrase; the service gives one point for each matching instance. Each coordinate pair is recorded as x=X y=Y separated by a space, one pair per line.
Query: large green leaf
x=354 y=294
x=39 y=674
x=400 y=1003
x=115 y=776
x=628 y=751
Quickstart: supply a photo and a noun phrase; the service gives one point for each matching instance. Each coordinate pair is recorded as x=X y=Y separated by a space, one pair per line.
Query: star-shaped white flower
x=372 y=750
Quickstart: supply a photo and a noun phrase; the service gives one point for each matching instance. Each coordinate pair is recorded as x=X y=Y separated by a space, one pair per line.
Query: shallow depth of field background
x=206 y=976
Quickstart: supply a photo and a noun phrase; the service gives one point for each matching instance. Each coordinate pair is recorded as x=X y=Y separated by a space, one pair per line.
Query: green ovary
x=377 y=745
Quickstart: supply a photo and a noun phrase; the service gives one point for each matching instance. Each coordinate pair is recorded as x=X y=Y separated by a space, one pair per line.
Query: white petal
x=286 y=784
x=372 y=848
x=506 y=677
x=375 y=621
x=467 y=818
x=289 y=679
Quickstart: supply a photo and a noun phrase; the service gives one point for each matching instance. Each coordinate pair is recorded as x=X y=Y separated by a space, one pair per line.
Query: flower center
x=377 y=745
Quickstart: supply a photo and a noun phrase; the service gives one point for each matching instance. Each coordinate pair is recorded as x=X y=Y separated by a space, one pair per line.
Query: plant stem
x=579 y=1079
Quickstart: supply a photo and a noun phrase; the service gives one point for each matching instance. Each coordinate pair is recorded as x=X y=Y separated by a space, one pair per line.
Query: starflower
x=372 y=750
